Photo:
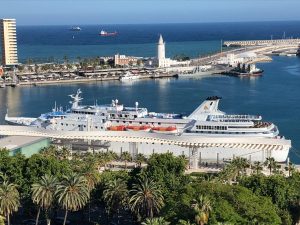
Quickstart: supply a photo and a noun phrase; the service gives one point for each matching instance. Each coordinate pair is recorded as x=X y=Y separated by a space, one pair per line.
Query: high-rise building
x=9 y=42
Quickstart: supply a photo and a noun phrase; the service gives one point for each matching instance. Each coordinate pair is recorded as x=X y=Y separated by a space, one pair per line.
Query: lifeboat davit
x=117 y=128
x=165 y=130
x=138 y=128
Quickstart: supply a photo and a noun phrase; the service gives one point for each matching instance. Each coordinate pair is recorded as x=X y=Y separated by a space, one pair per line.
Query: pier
x=262 y=42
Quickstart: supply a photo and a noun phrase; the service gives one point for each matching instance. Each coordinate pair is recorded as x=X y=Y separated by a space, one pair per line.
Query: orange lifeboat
x=138 y=128
x=165 y=130
x=117 y=128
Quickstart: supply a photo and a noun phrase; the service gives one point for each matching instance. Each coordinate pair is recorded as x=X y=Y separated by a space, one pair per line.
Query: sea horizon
x=41 y=42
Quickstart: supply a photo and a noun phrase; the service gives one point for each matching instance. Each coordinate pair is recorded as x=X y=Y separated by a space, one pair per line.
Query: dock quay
x=195 y=148
x=261 y=42
x=57 y=77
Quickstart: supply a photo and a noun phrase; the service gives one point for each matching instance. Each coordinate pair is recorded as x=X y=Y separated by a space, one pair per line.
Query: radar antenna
x=76 y=99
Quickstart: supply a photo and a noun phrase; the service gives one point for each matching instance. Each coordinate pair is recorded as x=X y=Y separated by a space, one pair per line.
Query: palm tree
x=155 y=221
x=140 y=158
x=202 y=207
x=290 y=168
x=146 y=198
x=43 y=193
x=115 y=195
x=105 y=157
x=271 y=164
x=125 y=156
x=9 y=199
x=257 y=167
x=240 y=164
x=92 y=178
x=72 y=193
x=185 y=222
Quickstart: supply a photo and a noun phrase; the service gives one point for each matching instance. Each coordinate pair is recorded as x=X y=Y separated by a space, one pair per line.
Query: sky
x=78 y=12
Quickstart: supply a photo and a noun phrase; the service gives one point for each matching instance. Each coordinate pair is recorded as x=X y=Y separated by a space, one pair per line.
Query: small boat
x=165 y=130
x=243 y=70
x=138 y=128
x=2 y=85
x=105 y=33
x=75 y=29
x=129 y=76
x=117 y=128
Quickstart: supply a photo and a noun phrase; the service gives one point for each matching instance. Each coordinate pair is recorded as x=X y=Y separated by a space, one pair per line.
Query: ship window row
x=88 y=113
x=121 y=115
x=141 y=123
x=219 y=132
x=200 y=127
x=62 y=124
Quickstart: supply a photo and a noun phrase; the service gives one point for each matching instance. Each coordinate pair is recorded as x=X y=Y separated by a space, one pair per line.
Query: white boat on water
x=207 y=128
x=75 y=29
x=129 y=76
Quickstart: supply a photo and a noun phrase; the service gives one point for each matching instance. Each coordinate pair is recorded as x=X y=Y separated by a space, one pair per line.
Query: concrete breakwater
x=91 y=79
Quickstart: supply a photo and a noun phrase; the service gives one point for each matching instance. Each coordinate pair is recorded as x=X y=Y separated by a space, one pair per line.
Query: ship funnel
x=209 y=107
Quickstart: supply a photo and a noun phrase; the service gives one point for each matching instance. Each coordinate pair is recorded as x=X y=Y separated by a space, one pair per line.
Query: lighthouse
x=161 y=51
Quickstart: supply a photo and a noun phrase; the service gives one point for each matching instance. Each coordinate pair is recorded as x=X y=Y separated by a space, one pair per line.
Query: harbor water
x=275 y=96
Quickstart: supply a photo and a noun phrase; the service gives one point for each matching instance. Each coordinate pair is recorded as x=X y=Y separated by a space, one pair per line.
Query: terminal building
x=9 y=42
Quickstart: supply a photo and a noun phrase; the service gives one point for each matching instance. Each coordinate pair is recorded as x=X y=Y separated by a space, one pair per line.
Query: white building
x=9 y=42
x=161 y=60
x=234 y=60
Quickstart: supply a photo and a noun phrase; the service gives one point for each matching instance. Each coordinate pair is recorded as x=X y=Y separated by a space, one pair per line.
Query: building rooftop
x=14 y=142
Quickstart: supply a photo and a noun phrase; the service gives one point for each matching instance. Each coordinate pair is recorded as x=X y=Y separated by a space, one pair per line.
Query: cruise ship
x=206 y=121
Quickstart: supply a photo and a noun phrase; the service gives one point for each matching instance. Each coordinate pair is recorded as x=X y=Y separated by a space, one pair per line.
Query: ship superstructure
x=206 y=120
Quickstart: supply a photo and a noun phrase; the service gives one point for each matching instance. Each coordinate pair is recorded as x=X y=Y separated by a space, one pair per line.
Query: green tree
x=202 y=207
x=231 y=204
x=9 y=199
x=72 y=193
x=257 y=167
x=155 y=221
x=43 y=194
x=115 y=195
x=185 y=222
x=290 y=168
x=140 y=158
x=126 y=157
x=271 y=164
x=146 y=198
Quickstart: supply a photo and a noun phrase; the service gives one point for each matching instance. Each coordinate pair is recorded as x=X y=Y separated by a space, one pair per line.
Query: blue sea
x=275 y=96
x=44 y=42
